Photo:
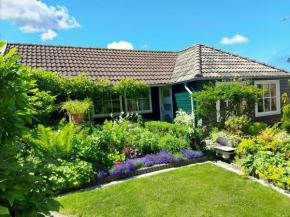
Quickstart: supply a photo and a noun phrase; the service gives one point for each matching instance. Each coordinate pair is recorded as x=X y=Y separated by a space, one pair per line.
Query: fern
x=59 y=143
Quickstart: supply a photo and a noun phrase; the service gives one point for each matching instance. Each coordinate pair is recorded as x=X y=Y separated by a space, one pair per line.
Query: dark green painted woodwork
x=183 y=102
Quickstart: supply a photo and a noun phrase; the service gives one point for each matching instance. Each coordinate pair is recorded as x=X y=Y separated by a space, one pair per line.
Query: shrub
x=241 y=98
x=71 y=174
x=266 y=156
x=286 y=113
x=162 y=128
x=237 y=125
x=182 y=118
x=144 y=140
x=24 y=190
x=255 y=128
x=173 y=144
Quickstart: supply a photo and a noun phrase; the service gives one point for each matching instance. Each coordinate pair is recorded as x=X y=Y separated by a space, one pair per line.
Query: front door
x=166 y=107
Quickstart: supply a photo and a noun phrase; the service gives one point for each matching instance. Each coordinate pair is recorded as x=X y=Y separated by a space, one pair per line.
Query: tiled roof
x=204 y=61
x=152 y=67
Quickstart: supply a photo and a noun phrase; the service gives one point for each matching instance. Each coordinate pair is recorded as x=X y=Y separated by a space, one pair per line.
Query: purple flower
x=163 y=157
x=126 y=167
x=179 y=159
x=102 y=174
x=189 y=154
x=148 y=160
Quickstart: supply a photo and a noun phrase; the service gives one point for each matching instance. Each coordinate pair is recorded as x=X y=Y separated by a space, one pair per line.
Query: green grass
x=201 y=190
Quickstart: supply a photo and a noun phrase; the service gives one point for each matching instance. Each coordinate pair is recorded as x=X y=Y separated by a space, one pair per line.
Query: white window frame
x=140 y=112
x=278 y=99
x=218 y=103
x=109 y=114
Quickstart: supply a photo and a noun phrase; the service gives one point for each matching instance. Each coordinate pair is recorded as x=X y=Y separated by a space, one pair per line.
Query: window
x=108 y=107
x=269 y=103
x=140 y=105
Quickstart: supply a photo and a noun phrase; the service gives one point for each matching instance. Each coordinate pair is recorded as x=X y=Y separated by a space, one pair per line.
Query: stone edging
x=143 y=171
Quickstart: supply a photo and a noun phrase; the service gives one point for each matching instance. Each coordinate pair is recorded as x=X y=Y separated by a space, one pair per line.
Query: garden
x=51 y=145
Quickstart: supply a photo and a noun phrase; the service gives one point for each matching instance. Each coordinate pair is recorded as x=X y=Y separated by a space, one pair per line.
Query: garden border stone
x=143 y=171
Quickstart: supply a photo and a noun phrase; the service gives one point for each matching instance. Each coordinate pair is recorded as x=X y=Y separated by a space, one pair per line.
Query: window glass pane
x=131 y=105
x=167 y=107
x=143 y=104
x=274 y=103
x=98 y=108
x=166 y=93
x=267 y=104
x=273 y=90
x=266 y=90
x=107 y=108
x=116 y=106
x=260 y=105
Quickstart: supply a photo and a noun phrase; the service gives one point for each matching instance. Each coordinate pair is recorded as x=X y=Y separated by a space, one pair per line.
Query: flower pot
x=78 y=118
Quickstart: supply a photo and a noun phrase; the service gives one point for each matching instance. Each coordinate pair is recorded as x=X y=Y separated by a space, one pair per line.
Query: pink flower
x=118 y=164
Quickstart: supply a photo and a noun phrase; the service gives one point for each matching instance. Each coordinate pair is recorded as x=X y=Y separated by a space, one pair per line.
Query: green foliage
x=237 y=125
x=24 y=189
x=182 y=118
x=71 y=174
x=215 y=134
x=43 y=103
x=115 y=134
x=240 y=96
x=173 y=144
x=255 y=128
x=162 y=128
x=144 y=140
x=140 y=121
x=131 y=89
x=286 y=113
x=55 y=144
x=49 y=81
x=267 y=156
x=76 y=106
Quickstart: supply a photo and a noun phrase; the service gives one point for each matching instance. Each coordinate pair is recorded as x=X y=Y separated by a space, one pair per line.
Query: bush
x=255 y=128
x=173 y=144
x=286 y=113
x=71 y=174
x=267 y=156
x=162 y=128
x=237 y=125
x=144 y=140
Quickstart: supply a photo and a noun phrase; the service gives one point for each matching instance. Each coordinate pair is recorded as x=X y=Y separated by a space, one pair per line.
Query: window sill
x=262 y=114
x=140 y=112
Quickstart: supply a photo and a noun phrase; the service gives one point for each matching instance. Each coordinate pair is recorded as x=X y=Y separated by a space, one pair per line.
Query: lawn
x=200 y=190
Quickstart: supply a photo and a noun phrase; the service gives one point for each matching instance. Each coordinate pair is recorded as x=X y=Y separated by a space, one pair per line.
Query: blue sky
x=169 y=25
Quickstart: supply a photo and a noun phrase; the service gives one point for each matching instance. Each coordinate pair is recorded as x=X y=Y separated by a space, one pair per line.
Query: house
x=172 y=76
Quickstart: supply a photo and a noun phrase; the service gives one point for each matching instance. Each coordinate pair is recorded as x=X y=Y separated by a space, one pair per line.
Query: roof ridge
x=197 y=60
x=69 y=46
x=243 y=57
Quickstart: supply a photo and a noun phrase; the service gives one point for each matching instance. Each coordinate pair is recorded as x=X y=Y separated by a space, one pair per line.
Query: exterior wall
x=270 y=119
x=155 y=115
x=179 y=90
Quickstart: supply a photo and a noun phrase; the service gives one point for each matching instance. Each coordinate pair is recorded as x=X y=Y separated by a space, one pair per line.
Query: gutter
x=192 y=103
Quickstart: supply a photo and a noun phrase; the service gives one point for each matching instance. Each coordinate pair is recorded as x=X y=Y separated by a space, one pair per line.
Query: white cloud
x=234 y=40
x=120 y=45
x=274 y=52
x=49 y=35
x=144 y=46
x=34 y=16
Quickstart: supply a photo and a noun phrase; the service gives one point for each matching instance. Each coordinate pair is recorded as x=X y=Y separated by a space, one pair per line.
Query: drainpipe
x=192 y=103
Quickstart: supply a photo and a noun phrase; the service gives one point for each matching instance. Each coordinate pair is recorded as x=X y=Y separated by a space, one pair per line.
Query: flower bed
x=148 y=163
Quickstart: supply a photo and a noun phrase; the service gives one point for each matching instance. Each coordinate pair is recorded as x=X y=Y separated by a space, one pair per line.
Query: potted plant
x=77 y=109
